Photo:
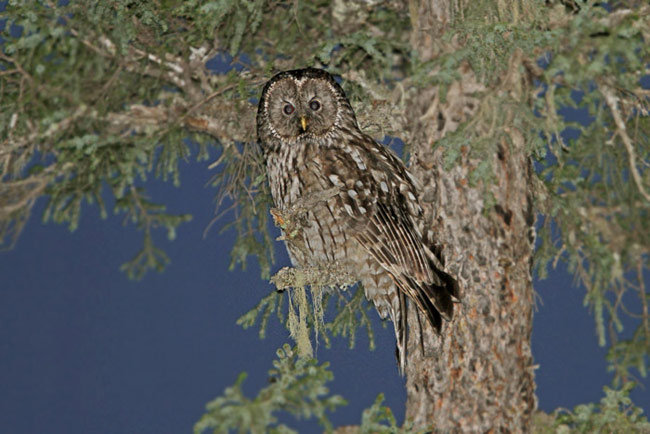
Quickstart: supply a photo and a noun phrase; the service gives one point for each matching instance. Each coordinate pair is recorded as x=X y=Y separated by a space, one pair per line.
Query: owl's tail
x=434 y=300
x=399 y=315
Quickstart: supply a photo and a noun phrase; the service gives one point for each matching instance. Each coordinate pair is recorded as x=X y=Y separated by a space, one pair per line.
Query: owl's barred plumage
x=372 y=224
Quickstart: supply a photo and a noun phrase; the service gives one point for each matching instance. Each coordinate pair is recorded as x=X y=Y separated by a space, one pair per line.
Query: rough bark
x=477 y=376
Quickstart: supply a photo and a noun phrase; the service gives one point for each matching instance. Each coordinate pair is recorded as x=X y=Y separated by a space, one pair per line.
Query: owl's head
x=302 y=104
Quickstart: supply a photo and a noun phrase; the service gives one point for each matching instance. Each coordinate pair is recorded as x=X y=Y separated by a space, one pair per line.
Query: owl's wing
x=383 y=210
x=392 y=241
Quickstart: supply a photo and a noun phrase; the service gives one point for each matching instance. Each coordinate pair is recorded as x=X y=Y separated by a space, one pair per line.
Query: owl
x=368 y=219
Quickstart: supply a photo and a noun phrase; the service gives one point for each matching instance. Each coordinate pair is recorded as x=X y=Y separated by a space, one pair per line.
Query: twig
x=109 y=50
x=612 y=102
x=644 y=298
x=30 y=188
x=205 y=100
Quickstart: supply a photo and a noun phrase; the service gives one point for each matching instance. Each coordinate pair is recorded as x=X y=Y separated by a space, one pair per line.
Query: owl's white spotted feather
x=373 y=223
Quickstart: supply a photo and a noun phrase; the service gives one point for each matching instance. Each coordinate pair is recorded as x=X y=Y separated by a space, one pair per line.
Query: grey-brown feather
x=373 y=225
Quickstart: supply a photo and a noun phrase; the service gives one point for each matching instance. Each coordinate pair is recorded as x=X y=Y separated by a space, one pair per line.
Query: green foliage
x=297 y=386
x=62 y=93
x=600 y=210
x=614 y=413
x=147 y=216
x=352 y=312
x=630 y=353
x=489 y=44
x=243 y=190
x=263 y=310
x=379 y=419
x=496 y=50
x=230 y=18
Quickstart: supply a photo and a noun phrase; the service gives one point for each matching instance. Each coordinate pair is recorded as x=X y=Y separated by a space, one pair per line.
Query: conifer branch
x=612 y=103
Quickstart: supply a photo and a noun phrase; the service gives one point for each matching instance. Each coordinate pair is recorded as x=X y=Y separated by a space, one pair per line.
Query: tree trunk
x=477 y=375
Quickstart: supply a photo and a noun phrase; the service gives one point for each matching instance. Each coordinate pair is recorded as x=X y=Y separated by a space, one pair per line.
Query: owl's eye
x=314 y=105
x=288 y=109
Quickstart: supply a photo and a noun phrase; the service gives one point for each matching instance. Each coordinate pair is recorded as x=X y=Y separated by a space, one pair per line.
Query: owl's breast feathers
x=377 y=205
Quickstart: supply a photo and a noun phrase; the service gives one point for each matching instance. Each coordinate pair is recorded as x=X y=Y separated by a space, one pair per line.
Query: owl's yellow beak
x=303 y=123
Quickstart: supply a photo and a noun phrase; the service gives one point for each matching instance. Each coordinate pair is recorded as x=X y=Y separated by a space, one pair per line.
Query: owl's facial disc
x=301 y=108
